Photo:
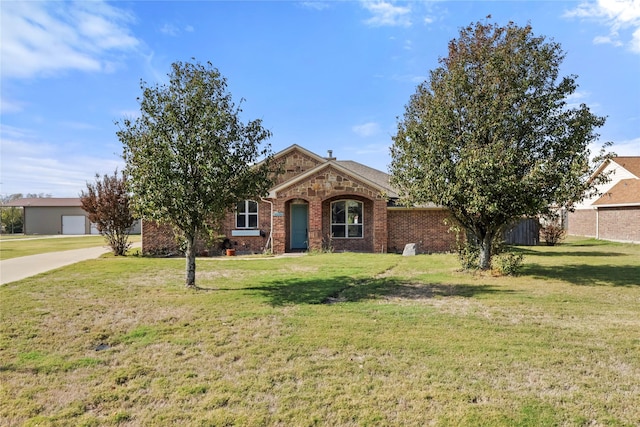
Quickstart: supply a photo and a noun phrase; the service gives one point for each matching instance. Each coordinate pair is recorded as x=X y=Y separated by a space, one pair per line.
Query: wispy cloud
x=387 y=14
x=41 y=38
x=366 y=129
x=315 y=5
x=629 y=147
x=169 y=30
x=621 y=16
x=10 y=106
x=174 y=31
x=28 y=164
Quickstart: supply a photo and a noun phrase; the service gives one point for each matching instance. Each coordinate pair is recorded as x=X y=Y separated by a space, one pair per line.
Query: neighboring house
x=54 y=215
x=321 y=203
x=615 y=215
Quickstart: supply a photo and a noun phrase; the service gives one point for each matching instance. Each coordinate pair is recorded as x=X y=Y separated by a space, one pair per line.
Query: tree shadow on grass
x=587 y=275
x=347 y=289
x=567 y=252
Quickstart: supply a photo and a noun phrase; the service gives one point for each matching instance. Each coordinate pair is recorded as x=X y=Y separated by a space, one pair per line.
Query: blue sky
x=327 y=75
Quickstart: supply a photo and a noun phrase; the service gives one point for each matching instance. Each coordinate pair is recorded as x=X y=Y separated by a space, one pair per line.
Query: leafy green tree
x=491 y=136
x=189 y=158
x=107 y=203
x=11 y=217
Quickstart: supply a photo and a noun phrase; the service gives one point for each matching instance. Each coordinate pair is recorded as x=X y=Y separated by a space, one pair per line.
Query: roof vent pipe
x=330 y=155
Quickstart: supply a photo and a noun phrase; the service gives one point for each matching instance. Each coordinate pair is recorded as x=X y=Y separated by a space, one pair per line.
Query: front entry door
x=299 y=226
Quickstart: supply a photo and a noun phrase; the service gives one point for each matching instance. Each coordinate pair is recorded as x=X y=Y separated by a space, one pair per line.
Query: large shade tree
x=491 y=135
x=189 y=157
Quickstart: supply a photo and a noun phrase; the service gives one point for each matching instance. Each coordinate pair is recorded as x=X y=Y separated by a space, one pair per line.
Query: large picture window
x=346 y=219
x=247 y=214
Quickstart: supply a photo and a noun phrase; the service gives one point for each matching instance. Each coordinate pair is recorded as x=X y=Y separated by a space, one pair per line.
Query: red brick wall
x=622 y=224
x=158 y=239
x=249 y=244
x=319 y=190
x=582 y=222
x=364 y=244
x=161 y=240
x=425 y=227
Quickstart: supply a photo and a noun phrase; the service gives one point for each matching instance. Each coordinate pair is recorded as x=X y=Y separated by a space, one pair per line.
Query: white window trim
x=346 y=225
x=248 y=214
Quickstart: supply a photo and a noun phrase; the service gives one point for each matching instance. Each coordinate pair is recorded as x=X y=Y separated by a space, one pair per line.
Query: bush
x=553 y=233
x=508 y=263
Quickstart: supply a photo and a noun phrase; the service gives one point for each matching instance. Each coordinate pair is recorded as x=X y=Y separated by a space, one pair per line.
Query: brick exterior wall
x=249 y=244
x=425 y=227
x=582 y=222
x=620 y=224
x=319 y=190
x=157 y=239
x=384 y=229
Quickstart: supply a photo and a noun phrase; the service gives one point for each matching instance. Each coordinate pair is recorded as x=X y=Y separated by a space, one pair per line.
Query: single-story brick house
x=56 y=215
x=615 y=215
x=321 y=202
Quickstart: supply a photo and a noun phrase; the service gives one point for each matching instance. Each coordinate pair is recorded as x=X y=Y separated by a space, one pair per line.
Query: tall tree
x=107 y=202
x=490 y=135
x=189 y=157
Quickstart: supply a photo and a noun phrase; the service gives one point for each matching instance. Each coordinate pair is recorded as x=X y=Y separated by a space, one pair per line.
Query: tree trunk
x=485 y=252
x=190 y=256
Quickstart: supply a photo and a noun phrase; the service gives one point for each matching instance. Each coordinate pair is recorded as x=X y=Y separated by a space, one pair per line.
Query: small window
x=346 y=219
x=247 y=214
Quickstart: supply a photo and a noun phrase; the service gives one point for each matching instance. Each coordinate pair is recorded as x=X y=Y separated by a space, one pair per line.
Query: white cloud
x=315 y=5
x=629 y=147
x=10 y=106
x=366 y=129
x=386 y=14
x=606 y=40
x=28 y=165
x=618 y=15
x=174 y=31
x=41 y=38
x=169 y=30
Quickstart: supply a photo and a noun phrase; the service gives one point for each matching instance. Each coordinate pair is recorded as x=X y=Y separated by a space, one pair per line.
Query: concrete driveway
x=20 y=268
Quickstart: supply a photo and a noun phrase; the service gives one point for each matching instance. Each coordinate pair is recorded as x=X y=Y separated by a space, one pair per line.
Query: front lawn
x=31 y=245
x=327 y=339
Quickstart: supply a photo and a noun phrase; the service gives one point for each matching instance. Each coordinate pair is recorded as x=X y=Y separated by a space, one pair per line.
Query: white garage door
x=73 y=224
x=94 y=228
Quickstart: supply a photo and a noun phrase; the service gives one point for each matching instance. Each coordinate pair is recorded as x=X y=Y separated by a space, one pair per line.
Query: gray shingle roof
x=381 y=179
x=45 y=202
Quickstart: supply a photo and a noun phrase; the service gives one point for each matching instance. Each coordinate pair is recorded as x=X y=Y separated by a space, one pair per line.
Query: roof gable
x=294 y=161
x=630 y=163
x=336 y=178
x=624 y=193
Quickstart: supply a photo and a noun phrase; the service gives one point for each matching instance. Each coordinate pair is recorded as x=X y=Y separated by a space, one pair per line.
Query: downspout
x=269 y=243
x=597 y=223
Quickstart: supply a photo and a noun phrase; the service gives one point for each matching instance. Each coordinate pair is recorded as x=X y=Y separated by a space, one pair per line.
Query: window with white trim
x=247 y=214
x=346 y=219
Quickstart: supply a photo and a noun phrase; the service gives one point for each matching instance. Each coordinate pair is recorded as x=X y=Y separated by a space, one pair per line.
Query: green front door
x=299 y=226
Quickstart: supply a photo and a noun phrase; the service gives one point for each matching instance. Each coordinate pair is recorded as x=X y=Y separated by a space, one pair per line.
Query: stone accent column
x=315 y=224
x=278 y=232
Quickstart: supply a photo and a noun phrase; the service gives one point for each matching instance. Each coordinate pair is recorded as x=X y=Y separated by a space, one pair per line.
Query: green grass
x=13 y=248
x=327 y=339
